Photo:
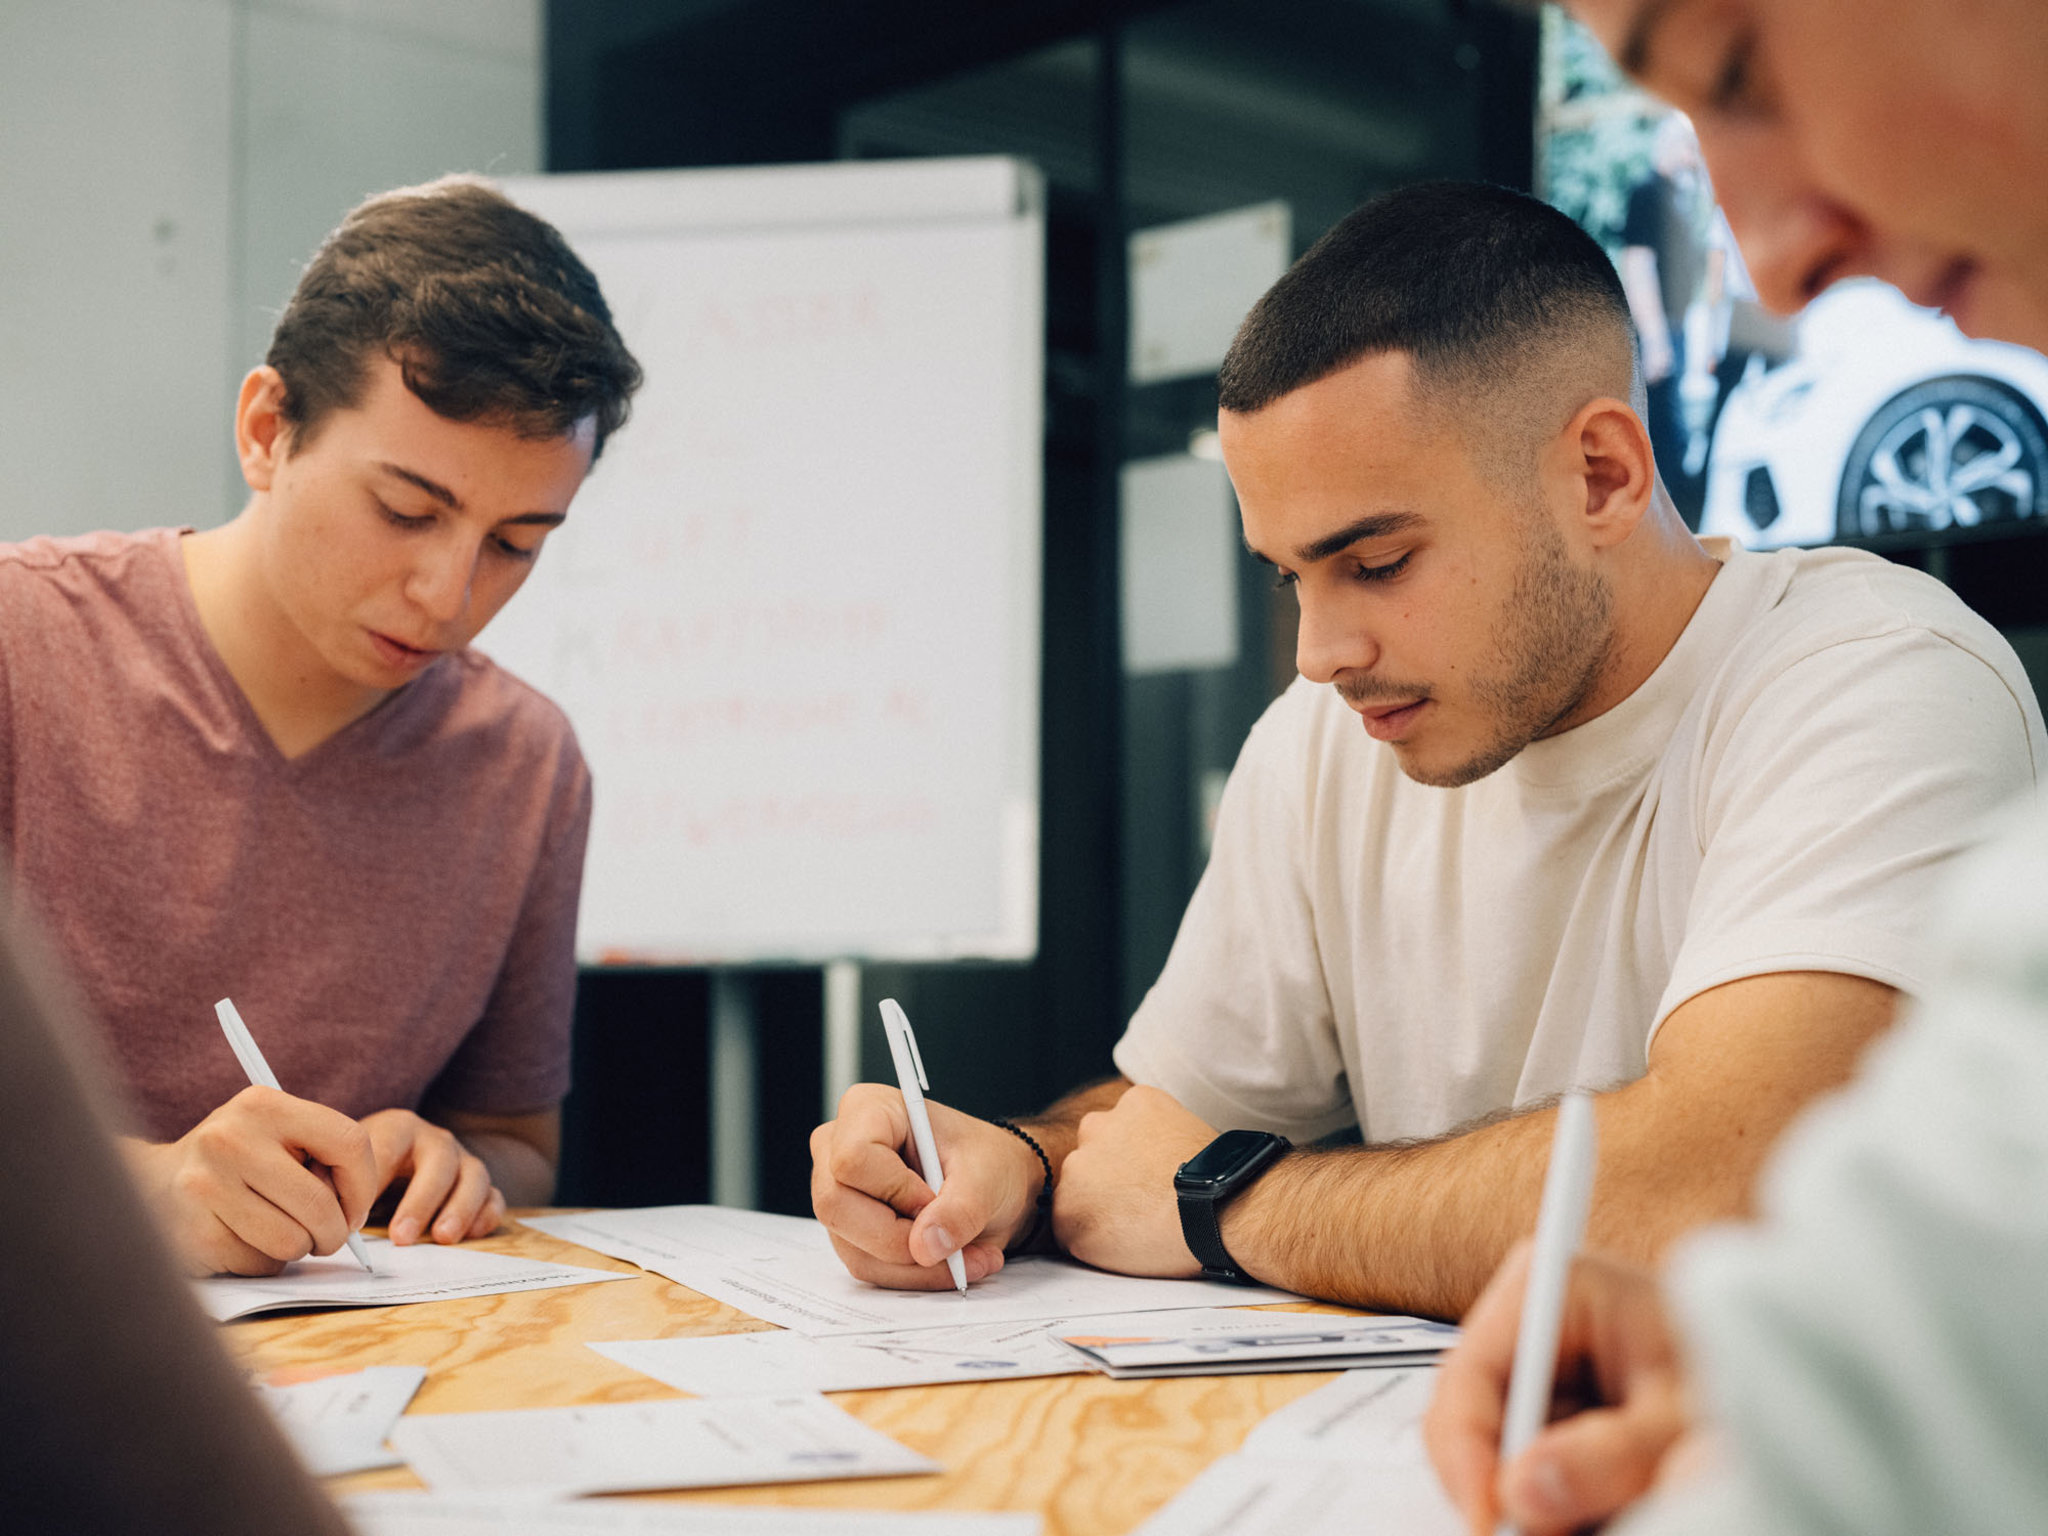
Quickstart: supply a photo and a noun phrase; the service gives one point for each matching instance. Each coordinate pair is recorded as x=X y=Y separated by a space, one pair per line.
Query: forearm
x=1422 y=1228
x=523 y=1173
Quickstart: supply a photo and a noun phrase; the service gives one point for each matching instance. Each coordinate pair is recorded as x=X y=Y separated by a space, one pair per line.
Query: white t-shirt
x=1874 y=1350
x=1781 y=794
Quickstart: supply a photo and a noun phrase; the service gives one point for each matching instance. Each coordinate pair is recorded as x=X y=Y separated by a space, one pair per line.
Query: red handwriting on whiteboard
x=800 y=816
x=689 y=537
x=692 y=722
x=641 y=639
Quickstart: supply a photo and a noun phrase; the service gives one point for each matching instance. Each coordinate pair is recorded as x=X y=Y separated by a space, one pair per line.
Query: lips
x=397 y=654
x=1389 y=722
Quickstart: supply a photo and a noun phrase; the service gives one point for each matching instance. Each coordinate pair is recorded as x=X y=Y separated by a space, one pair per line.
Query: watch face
x=1223 y=1157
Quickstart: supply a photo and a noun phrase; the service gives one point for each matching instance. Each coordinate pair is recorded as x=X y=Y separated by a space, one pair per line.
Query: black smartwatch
x=1209 y=1178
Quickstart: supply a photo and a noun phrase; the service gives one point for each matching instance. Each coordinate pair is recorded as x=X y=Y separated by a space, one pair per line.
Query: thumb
x=956 y=1216
x=1584 y=1469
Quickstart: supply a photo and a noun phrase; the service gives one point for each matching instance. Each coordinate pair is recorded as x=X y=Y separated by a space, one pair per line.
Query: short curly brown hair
x=488 y=313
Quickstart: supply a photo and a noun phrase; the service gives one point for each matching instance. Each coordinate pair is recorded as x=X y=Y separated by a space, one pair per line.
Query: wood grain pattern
x=1091 y=1456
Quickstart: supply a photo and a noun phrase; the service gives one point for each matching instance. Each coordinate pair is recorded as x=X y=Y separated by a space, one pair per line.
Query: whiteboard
x=794 y=613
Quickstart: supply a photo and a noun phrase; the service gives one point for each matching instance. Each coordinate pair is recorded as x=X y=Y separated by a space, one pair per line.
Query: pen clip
x=897 y=1022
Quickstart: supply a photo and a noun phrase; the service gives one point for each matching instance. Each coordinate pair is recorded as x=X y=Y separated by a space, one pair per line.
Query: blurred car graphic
x=1885 y=420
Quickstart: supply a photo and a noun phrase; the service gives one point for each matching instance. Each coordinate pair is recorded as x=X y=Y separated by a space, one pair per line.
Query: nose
x=1325 y=646
x=440 y=581
x=1795 y=238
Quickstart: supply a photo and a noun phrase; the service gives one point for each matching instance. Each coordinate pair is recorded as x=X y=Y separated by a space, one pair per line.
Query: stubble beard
x=1554 y=639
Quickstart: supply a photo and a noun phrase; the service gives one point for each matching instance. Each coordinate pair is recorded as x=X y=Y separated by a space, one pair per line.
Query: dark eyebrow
x=433 y=488
x=1378 y=526
x=1642 y=29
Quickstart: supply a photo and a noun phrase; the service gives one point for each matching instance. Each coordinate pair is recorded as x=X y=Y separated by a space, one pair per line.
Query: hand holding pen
x=235 y=1194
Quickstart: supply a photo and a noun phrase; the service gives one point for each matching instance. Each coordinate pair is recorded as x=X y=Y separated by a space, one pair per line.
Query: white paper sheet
x=1273 y=1342
x=419 y=1272
x=1363 y=1418
x=434 y=1514
x=339 y=1423
x=638 y=1447
x=783 y=1269
x=782 y=1360
x=1266 y=1496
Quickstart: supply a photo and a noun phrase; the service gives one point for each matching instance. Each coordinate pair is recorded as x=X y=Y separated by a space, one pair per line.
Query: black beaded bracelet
x=1042 y=1217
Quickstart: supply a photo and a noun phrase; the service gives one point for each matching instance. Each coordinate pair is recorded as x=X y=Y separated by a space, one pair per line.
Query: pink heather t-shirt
x=393 y=912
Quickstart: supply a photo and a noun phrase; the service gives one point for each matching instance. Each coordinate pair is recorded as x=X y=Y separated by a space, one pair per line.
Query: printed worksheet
x=1344 y=1460
x=434 y=1514
x=782 y=1360
x=1363 y=1418
x=339 y=1423
x=1284 y=1341
x=419 y=1272
x=639 y=1447
x=783 y=1269
x=1264 y=1496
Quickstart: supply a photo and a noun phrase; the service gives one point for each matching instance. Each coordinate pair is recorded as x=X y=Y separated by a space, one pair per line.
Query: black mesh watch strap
x=1202 y=1226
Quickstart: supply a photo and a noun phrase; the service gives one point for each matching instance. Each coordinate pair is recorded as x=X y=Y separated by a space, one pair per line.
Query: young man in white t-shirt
x=1562 y=799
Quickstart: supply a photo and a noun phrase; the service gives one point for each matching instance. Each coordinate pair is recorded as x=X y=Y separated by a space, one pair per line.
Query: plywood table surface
x=1093 y=1457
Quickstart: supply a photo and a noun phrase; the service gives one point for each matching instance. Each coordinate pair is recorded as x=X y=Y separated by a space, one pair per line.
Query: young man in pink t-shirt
x=262 y=761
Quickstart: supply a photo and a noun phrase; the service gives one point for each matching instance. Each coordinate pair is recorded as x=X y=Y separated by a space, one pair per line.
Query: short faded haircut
x=485 y=309
x=1513 y=316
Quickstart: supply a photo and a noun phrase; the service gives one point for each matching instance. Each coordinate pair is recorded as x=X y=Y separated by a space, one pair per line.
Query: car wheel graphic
x=1952 y=452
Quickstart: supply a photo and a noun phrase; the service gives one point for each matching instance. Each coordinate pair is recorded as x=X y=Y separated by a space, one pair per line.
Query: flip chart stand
x=736 y=1072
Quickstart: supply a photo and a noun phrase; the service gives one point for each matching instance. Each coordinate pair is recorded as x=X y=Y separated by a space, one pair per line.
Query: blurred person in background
x=1871 y=1355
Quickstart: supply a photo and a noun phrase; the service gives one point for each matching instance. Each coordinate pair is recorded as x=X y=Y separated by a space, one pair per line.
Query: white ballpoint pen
x=910 y=1077
x=1560 y=1227
x=243 y=1044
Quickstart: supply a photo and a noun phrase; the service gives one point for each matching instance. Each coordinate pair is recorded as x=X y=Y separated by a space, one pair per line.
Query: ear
x=1605 y=451
x=260 y=429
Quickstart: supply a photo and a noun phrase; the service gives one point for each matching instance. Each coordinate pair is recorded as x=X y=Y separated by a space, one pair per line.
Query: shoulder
x=1846 y=621
x=520 y=722
x=108 y=564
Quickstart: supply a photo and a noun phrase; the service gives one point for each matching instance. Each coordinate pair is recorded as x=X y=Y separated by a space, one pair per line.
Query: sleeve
x=1239 y=1027
x=1837 y=802
x=516 y=1059
x=1874 y=1350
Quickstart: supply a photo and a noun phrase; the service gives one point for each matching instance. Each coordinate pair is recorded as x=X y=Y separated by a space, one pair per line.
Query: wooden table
x=1091 y=1456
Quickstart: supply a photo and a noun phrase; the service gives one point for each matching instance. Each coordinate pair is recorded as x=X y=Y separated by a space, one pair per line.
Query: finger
x=872 y=1113
x=221 y=1252
x=979 y=1259
x=329 y=1137
x=953 y=1218
x=436 y=1165
x=240 y=1171
x=864 y=1223
x=1581 y=1471
x=437 y=1162
x=491 y=1217
x=260 y=1225
x=1462 y=1428
x=878 y=1172
x=472 y=1189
